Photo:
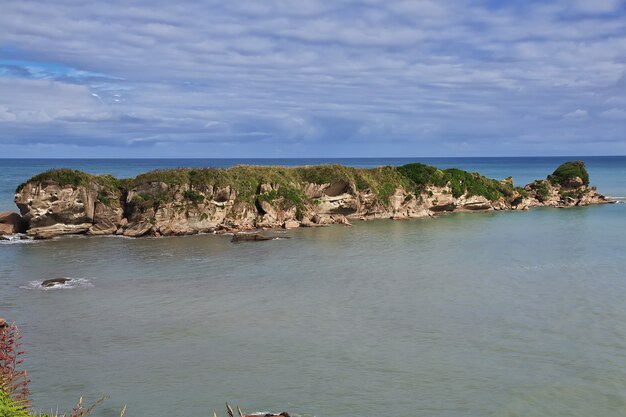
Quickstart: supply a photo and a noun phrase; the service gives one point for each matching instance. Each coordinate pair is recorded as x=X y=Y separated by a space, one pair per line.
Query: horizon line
x=317 y=157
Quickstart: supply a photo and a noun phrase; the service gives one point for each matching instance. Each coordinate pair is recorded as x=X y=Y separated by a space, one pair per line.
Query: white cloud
x=576 y=114
x=283 y=71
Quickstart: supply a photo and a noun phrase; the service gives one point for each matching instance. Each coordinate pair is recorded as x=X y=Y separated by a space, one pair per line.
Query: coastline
x=247 y=198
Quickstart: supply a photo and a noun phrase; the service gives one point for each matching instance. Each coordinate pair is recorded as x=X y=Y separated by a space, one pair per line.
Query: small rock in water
x=249 y=237
x=54 y=281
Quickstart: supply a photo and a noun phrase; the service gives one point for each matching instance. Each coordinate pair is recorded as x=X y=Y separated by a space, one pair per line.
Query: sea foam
x=71 y=284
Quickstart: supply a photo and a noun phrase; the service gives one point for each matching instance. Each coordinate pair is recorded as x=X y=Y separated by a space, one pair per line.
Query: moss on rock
x=567 y=171
x=246 y=179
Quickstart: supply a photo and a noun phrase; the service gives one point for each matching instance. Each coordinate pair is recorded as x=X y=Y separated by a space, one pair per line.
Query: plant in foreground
x=13 y=381
x=14 y=391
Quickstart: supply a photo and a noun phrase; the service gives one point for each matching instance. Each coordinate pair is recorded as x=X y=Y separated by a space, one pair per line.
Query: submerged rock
x=249 y=237
x=53 y=282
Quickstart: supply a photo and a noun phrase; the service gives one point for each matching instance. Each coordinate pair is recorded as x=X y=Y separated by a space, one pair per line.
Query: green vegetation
x=522 y=192
x=245 y=181
x=541 y=189
x=193 y=196
x=460 y=182
x=76 y=178
x=565 y=172
x=109 y=199
x=288 y=196
x=10 y=408
x=60 y=176
x=147 y=200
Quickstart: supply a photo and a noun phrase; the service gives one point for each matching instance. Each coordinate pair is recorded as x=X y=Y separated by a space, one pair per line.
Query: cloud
x=598 y=6
x=576 y=114
x=313 y=76
x=617 y=114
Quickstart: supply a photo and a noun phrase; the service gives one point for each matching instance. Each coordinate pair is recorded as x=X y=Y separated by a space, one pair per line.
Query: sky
x=312 y=78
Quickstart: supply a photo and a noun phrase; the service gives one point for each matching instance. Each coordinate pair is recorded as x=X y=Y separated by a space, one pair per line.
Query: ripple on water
x=617 y=199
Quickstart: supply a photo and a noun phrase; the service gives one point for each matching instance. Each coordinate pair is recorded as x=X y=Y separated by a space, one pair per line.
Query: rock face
x=11 y=223
x=46 y=204
x=545 y=193
x=181 y=202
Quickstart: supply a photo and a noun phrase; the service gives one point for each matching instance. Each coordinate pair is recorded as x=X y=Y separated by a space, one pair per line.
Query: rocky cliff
x=189 y=201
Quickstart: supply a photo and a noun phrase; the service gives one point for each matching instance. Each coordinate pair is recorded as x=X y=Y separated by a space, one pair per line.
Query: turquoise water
x=481 y=314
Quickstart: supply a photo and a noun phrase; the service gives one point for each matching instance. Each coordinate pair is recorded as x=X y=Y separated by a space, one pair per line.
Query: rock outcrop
x=53 y=282
x=186 y=201
x=11 y=223
x=249 y=237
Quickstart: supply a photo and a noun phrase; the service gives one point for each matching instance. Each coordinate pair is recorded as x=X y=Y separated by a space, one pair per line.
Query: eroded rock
x=58 y=229
x=11 y=223
x=159 y=206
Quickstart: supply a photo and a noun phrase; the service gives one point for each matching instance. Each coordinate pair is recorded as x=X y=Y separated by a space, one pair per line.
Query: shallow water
x=477 y=314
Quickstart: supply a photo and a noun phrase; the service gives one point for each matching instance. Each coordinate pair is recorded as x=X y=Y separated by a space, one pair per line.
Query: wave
x=16 y=239
x=71 y=284
x=617 y=199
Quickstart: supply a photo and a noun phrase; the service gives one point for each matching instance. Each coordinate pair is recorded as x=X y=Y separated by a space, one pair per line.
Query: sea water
x=473 y=314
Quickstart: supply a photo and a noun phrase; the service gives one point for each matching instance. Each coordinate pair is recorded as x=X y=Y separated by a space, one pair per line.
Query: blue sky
x=312 y=78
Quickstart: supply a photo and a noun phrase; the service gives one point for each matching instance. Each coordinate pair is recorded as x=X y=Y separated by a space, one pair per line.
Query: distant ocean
x=498 y=314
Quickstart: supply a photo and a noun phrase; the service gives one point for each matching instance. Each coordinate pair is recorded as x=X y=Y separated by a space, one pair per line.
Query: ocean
x=471 y=314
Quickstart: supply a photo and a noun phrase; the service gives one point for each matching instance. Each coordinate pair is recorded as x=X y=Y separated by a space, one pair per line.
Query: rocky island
x=190 y=201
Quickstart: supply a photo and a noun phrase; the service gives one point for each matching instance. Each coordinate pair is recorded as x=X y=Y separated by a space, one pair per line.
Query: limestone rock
x=138 y=229
x=107 y=218
x=155 y=205
x=46 y=204
x=312 y=190
x=337 y=188
x=11 y=223
x=477 y=202
x=266 y=188
x=58 y=229
x=340 y=219
x=104 y=227
x=573 y=183
x=291 y=224
x=268 y=210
